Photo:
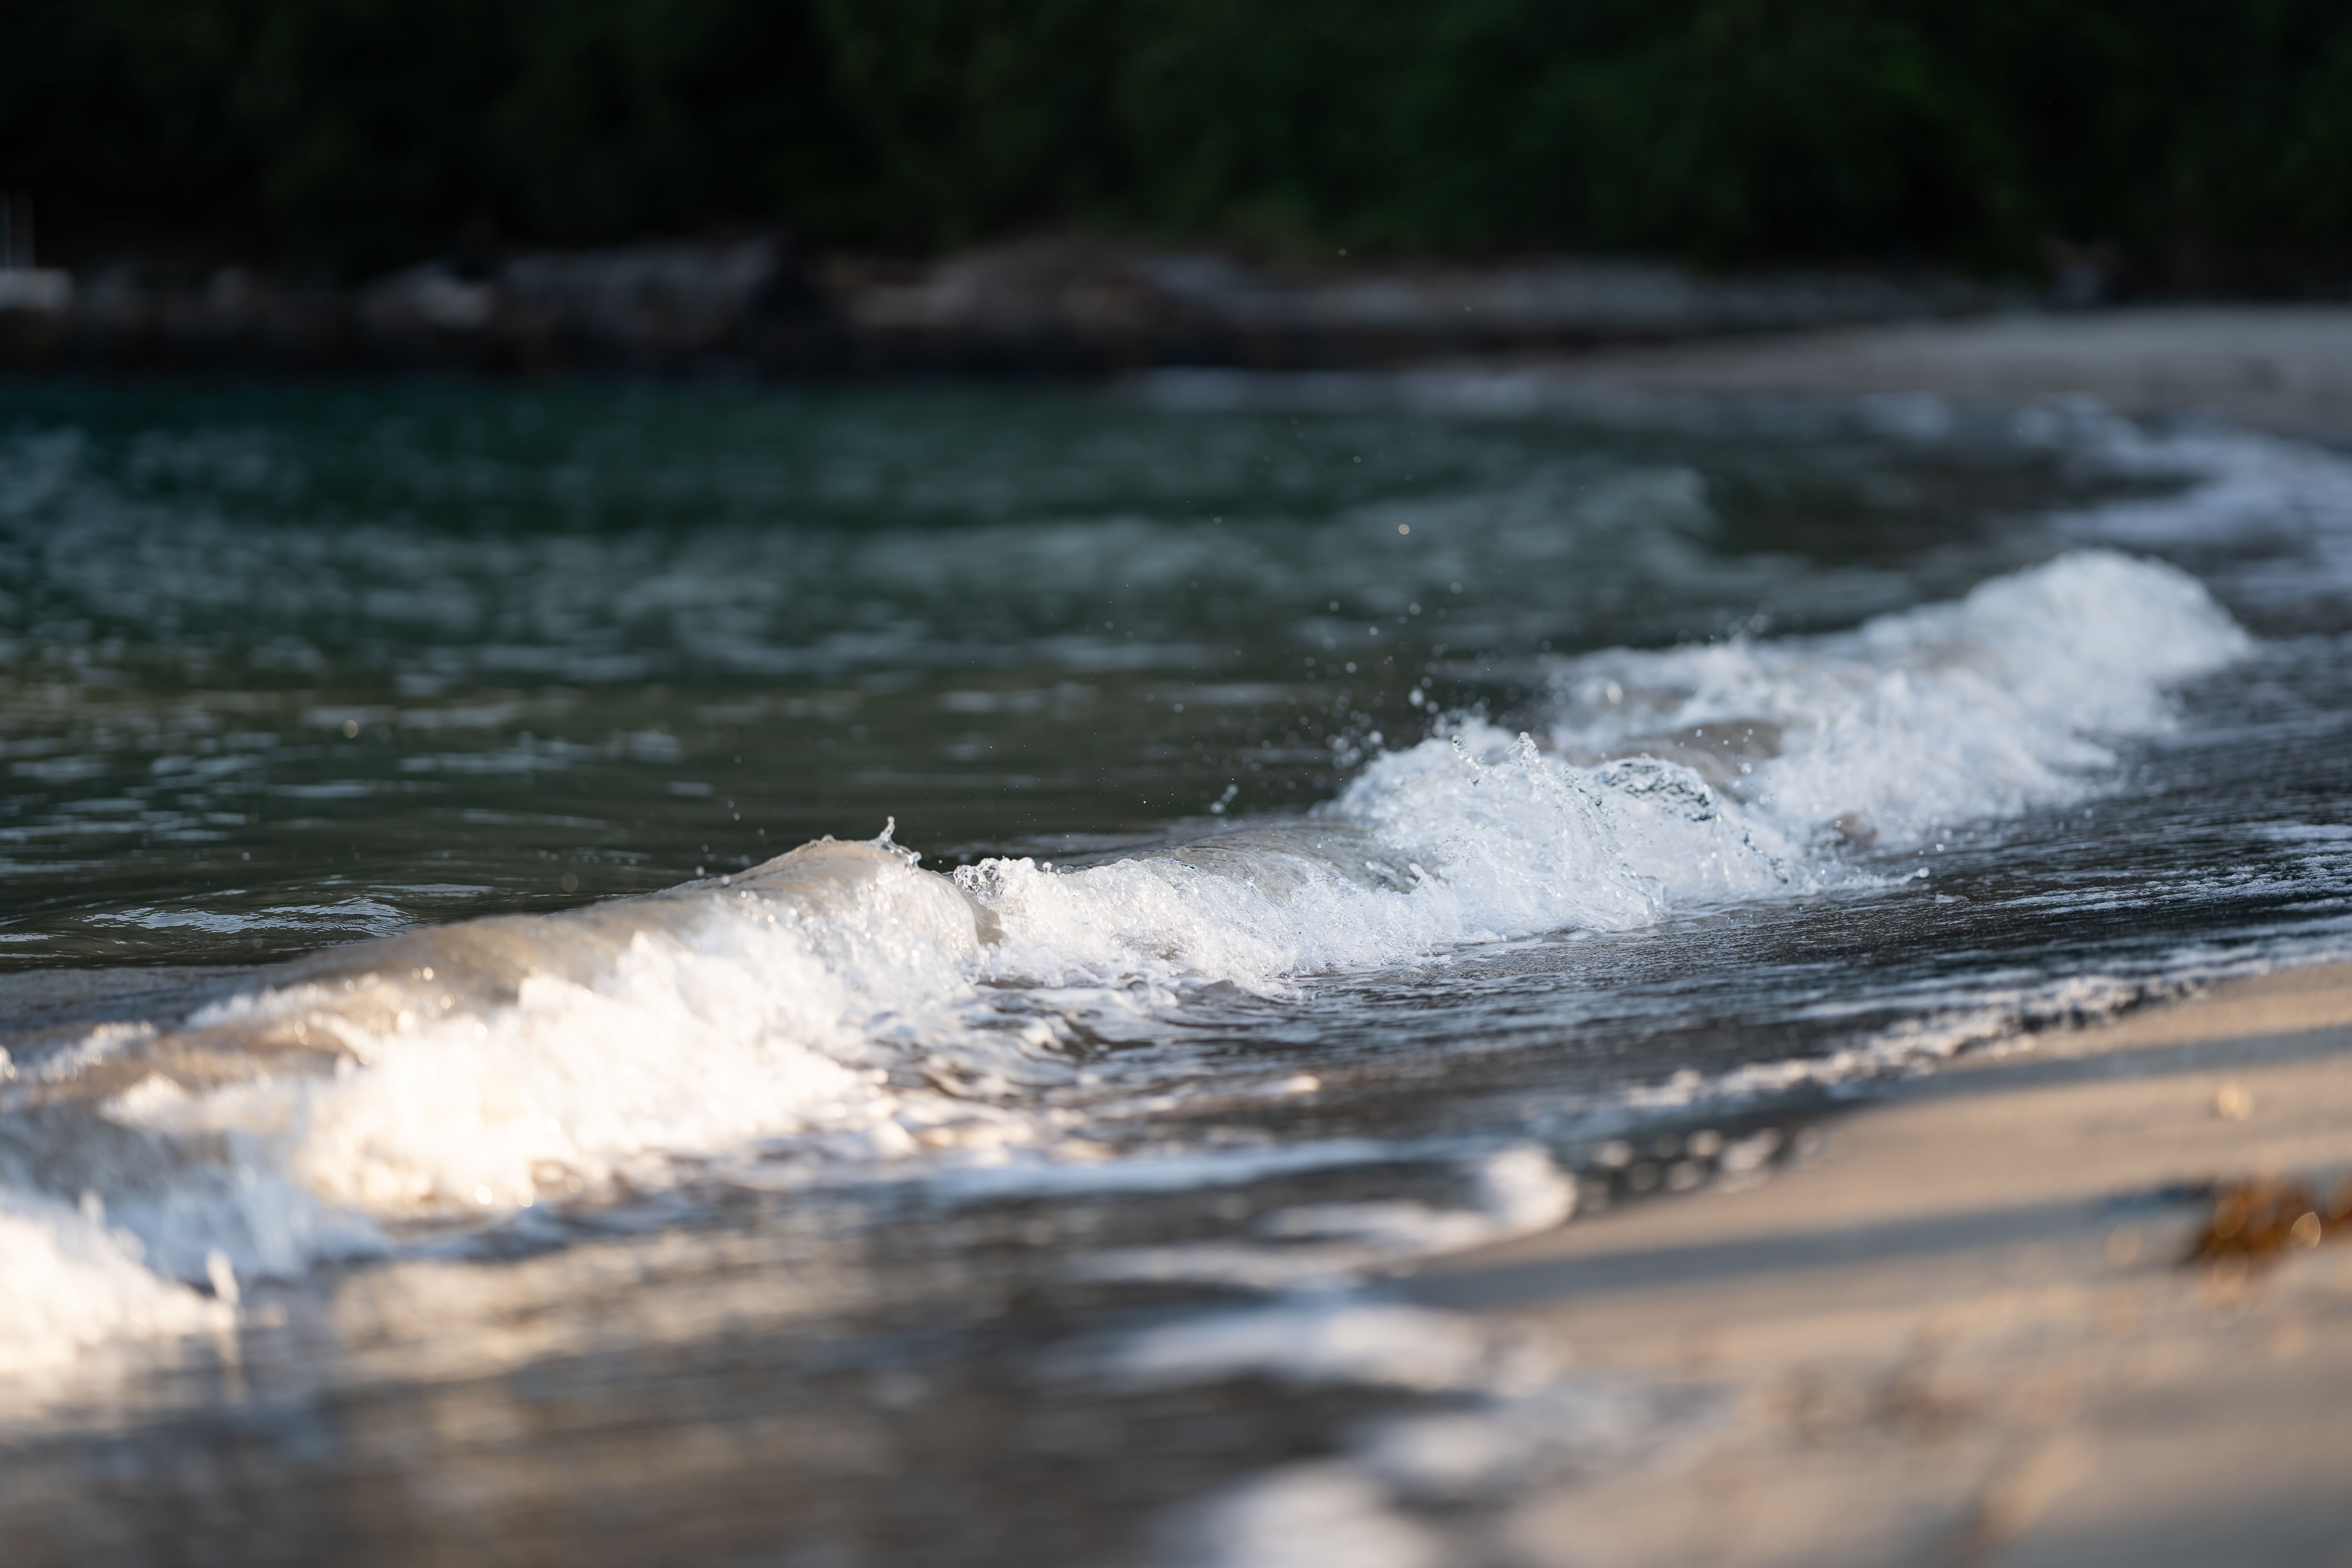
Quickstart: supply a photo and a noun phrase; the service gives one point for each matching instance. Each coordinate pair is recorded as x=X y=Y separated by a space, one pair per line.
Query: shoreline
x=1073 y=308
x=1961 y=1331
x=1051 y=305
x=2284 y=369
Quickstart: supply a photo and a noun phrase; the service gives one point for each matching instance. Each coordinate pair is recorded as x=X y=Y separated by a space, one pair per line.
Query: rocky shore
x=1054 y=305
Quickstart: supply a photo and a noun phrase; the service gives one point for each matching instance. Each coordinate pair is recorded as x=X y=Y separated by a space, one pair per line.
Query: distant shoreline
x=1052 y=305
x=2280 y=368
x=1076 y=308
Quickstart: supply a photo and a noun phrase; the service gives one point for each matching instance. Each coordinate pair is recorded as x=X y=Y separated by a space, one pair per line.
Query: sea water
x=727 y=972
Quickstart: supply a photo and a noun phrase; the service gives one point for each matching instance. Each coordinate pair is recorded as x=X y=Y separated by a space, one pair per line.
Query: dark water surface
x=289 y=668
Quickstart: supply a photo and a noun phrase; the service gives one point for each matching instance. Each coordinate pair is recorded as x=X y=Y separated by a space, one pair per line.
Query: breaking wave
x=840 y=1005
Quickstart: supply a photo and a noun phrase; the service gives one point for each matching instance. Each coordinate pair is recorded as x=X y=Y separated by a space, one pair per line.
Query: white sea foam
x=1513 y=1418
x=1923 y=720
x=857 y=1008
x=1322 y=1247
x=1303 y=1516
x=2293 y=498
x=470 y=1061
x=1394 y=1492
x=1339 y=1338
x=68 y=1282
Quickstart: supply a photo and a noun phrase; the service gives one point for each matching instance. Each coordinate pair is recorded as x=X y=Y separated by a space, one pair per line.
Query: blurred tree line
x=2185 y=134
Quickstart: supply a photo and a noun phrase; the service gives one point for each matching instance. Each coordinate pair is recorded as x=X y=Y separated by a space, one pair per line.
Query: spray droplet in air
x=889 y=827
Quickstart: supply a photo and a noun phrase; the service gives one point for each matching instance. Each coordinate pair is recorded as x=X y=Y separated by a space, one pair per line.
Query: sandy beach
x=2284 y=369
x=1960 y=1330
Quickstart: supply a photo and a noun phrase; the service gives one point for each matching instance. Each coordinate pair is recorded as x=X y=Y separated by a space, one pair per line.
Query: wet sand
x=1961 y=1331
x=2286 y=369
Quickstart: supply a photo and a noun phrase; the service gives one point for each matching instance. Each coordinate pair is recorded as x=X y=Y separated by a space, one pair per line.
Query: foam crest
x=481 y=1067
x=1476 y=837
x=479 y=1063
x=1922 y=721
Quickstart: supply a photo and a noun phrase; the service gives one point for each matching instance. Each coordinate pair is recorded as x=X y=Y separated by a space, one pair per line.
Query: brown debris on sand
x=2256 y=1222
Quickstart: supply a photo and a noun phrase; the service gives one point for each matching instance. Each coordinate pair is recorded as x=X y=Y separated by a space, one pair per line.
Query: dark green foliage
x=2182 y=134
x=359 y=132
